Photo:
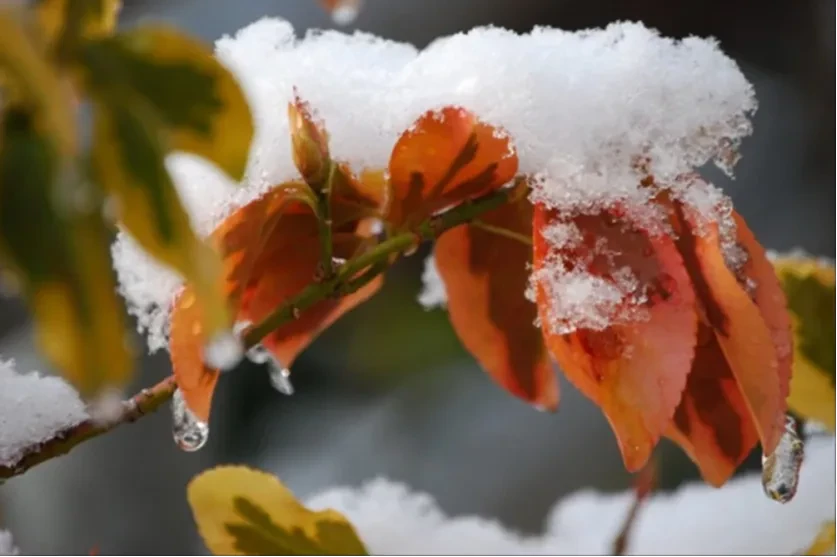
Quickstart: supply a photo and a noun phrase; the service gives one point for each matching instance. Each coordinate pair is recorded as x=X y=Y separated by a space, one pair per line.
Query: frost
x=582 y=108
x=696 y=519
x=7 y=544
x=433 y=293
x=33 y=408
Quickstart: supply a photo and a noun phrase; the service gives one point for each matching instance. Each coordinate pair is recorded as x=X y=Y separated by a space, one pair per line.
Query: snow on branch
x=585 y=110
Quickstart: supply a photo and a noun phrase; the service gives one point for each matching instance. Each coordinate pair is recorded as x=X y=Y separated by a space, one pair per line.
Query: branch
x=348 y=278
x=144 y=402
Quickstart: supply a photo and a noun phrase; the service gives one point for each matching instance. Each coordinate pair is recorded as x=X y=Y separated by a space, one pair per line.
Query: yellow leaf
x=128 y=156
x=56 y=245
x=64 y=21
x=809 y=286
x=196 y=99
x=824 y=542
x=28 y=80
x=240 y=511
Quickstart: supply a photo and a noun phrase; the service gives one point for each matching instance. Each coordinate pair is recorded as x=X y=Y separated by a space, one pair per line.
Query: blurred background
x=389 y=390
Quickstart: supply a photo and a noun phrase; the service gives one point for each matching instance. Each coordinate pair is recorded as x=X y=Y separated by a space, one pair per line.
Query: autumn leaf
x=271 y=251
x=739 y=326
x=196 y=101
x=241 y=511
x=484 y=269
x=309 y=144
x=809 y=286
x=448 y=156
x=635 y=371
x=56 y=244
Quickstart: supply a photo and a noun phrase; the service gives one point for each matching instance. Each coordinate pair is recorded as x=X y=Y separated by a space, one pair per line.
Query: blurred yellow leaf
x=809 y=286
x=28 y=80
x=196 y=99
x=824 y=542
x=64 y=21
x=240 y=511
x=127 y=155
x=54 y=240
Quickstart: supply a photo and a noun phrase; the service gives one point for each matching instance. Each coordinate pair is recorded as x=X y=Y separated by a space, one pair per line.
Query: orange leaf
x=770 y=299
x=270 y=250
x=195 y=380
x=485 y=277
x=446 y=157
x=742 y=334
x=713 y=424
x=635 y=371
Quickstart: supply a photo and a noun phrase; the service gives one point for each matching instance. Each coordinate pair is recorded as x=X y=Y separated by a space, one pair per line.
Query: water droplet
x=188 y=431
x=280 y=378
x=188 y=300
x=258 y=354
x=345 y=12
x=780 y=470
x=224 y=351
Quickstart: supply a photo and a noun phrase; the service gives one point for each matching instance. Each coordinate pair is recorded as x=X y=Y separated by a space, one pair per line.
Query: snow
x=581 y=107
x=33 y=407
x=7 y=544
x=696 y=519
x=433 y=293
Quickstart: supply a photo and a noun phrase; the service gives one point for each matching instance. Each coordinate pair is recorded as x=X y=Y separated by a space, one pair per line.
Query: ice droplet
x=280 y=378
x=345 y=11
x=780 y=470
x=107 y=407
x=188 y=431
x=224 y=351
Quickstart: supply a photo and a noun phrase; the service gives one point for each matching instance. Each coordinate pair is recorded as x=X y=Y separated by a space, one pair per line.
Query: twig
x=348 y=278
x=144 y=402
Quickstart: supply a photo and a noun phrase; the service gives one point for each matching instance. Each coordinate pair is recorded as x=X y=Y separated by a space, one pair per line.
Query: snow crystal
x=697 y=519
x=33 y=408
x=7 y=544
x=433 y=293
x=581 y=107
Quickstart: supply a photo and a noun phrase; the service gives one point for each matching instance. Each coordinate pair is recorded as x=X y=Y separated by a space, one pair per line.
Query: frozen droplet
x=107 y=408
x=280 y=378
x=188 y=431
x=224 y=351
x=780 y=470
x=345 y=12
x=258 y=354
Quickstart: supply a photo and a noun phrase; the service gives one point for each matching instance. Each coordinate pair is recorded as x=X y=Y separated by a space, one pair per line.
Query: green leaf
x=65 y=22
x=28 y=80
x=809 y=286
x=56 y=244
x=240 y=511
x=128 y=151
x=195 y=98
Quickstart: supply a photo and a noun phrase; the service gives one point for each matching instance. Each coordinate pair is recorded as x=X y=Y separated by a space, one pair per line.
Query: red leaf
x=634 y=371
x=742 y=334
x=713 y=424
x=485 y=277
x=769 y=297
x=446 y=157
x=271 y=250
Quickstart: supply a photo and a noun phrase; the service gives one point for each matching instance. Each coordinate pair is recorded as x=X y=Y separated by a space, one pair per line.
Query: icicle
x=780 y=470
x=280 y=378
x=188 y=431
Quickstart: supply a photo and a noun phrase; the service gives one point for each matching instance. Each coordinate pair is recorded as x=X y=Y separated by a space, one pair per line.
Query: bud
x=309 y=143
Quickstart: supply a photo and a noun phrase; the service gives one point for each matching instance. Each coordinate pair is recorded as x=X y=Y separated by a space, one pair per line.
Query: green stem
x=352 y=276
x=325 y=224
